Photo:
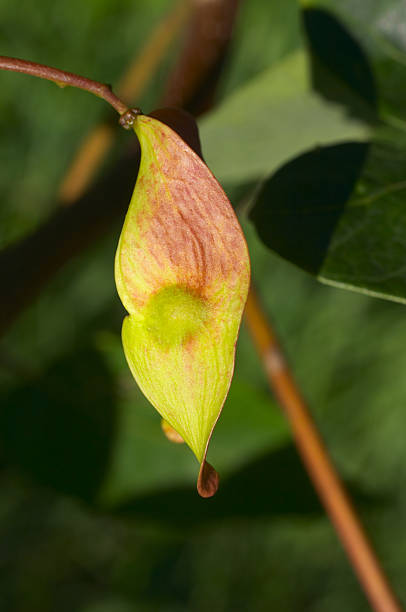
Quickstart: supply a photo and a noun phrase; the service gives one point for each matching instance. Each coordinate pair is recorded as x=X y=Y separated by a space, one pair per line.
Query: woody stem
x=63 y=79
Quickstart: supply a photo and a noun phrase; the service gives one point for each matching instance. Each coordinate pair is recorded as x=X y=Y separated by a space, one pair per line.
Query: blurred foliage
x=365 y=215
x=266 y=122
x=98 y=511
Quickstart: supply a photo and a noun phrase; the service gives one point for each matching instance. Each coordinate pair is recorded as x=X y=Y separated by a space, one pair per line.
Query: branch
x=192 y=82
x=63 y=79
x=317 y=462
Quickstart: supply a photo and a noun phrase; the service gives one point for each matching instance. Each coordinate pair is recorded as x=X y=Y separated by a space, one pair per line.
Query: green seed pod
x=182 y=272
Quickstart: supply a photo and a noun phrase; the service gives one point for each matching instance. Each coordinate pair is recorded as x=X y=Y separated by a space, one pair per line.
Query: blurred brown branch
x=315 y=457
x=192 y=82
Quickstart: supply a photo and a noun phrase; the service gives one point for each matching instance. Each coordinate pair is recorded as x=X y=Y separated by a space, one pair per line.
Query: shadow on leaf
x=340 y=69
x=299 y=206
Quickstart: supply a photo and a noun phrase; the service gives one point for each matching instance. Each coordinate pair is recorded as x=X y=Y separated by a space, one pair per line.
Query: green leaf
x=299 y=207
x=341 y=71
x=253 y=49
x=338 y=211
x=270 y=120
x=379 y=26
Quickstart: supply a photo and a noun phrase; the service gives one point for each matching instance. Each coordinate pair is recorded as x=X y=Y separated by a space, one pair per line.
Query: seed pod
x=182 y=273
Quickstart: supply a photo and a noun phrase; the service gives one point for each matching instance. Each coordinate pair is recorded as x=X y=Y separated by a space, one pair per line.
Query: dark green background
x=98 y=512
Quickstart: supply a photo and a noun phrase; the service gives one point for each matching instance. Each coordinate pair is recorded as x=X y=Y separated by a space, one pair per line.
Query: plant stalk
x=64 y=79
x=318 y=464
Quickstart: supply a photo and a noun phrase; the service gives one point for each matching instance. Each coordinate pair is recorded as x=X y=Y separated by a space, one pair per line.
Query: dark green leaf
x=340 y=69
x=379 y=27
x=298 y=209
x=339 y=213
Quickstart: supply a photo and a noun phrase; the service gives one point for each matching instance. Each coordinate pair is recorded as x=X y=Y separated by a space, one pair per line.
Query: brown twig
x=64 y=79
x=317 y=462
x=193 y=80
